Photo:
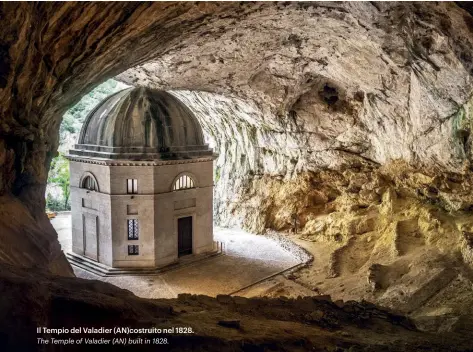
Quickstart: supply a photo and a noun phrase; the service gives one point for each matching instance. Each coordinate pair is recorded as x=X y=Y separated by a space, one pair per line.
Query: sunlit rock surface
x=337 y=80
x=354 y=126
x=351 y=83
x=334 y=83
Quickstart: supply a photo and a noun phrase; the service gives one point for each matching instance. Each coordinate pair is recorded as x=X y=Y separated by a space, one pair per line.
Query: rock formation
x=32 y=299
x=346 y=118
x=351 y=81
x=350 y=84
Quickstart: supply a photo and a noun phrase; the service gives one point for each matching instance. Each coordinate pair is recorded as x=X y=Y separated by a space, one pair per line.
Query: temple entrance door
x=90 y=223
x=184 y=231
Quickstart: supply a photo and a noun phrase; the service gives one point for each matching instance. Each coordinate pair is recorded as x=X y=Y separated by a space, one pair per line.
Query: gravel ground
x=248 y=259
x=244 y=244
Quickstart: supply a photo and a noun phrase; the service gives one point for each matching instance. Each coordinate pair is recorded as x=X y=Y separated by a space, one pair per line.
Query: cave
x=341 y=132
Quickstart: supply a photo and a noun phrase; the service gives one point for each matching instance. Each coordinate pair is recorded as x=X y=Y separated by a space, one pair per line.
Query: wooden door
x=90 y=236
x=184 y=230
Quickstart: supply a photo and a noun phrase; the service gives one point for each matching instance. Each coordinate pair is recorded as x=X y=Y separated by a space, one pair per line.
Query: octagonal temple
x=141 y=183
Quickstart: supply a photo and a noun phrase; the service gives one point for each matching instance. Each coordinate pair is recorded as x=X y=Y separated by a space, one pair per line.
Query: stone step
x=87 y=264
x=100 y=269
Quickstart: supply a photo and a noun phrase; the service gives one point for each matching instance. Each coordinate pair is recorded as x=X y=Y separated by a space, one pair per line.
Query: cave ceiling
x=381 y=81
x=352 y=74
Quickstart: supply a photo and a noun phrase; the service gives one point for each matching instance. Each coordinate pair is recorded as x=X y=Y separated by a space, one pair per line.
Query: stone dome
x=141 y=124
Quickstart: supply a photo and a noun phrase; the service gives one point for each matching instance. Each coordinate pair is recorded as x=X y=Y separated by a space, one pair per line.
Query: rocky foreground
x=32 y=299
x=330 y=94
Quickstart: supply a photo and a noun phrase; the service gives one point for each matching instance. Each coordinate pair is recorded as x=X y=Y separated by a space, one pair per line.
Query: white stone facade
x=100 y=217
x=141 y=184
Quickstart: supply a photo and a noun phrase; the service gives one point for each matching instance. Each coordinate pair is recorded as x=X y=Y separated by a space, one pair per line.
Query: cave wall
x=381 y=81
x=351 y=85
x=332 y=84
x=51 y=54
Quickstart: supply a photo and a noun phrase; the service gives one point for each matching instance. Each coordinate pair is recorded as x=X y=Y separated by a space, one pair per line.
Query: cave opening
x=339 y=148
x=84 y=227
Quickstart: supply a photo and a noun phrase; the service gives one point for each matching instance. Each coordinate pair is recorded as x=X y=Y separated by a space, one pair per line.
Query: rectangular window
x=133 y=229
x=133 y=249
x=132 y=186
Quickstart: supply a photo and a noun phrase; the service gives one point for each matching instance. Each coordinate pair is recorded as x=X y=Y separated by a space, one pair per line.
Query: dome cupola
x=141 y=124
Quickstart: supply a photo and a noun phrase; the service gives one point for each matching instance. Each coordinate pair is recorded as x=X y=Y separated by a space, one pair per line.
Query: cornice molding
x=137 y=162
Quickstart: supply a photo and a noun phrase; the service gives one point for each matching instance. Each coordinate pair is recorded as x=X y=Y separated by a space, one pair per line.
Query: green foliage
x=59 y=176
x=68 y=135
x=54 y=204
x=68 y=125
x=75 y=116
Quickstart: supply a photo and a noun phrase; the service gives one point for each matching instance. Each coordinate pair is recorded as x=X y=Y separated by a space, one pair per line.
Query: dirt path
x=248 y=259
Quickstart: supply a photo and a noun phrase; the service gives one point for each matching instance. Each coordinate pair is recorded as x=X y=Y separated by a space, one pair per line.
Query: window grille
x=133 y=249
x=133 y=229
x=132 y=186
x=89 y=183
x=183 y=182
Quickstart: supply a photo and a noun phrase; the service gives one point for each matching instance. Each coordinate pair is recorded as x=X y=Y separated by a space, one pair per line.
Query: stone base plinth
x=90 y=265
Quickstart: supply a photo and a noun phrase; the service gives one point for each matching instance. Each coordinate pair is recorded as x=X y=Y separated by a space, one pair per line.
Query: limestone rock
x=324 y=85
x=350 y=80
x=339 y=118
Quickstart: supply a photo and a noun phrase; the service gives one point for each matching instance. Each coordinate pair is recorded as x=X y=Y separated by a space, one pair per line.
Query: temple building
x=141 y=183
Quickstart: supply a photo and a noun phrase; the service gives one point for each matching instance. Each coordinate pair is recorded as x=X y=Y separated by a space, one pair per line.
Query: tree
x=69 y=133
x=59 y=175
